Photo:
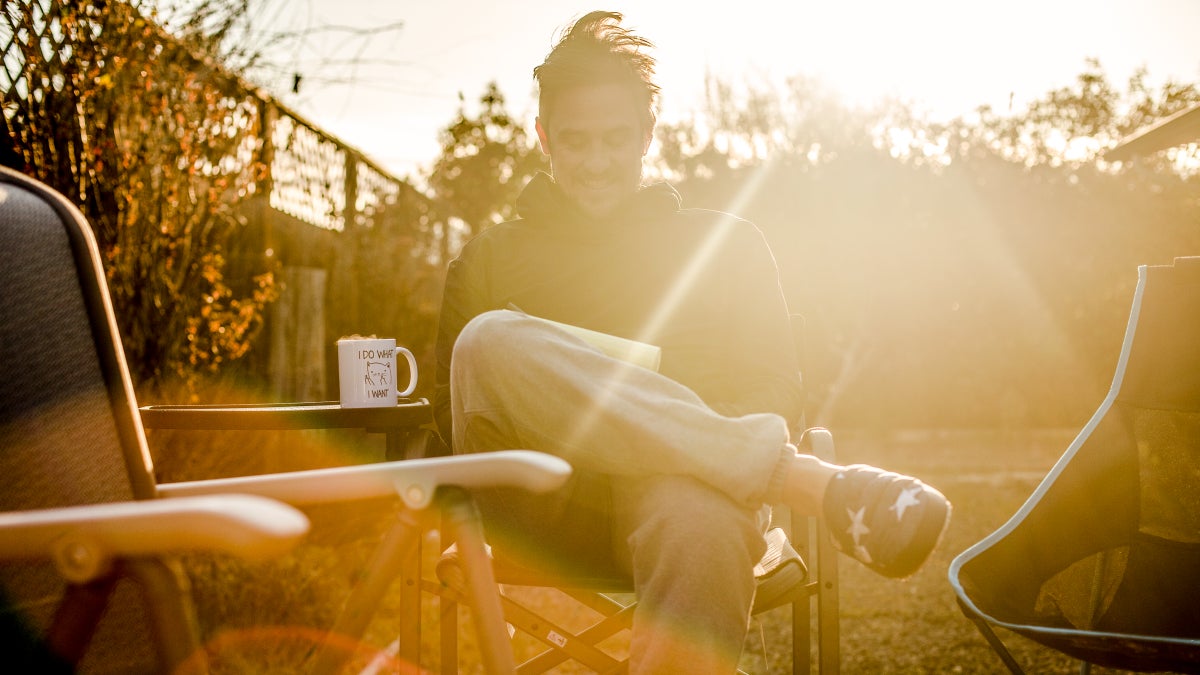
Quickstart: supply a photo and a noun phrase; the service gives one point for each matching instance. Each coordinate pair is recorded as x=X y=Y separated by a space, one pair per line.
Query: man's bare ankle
x=805 y=482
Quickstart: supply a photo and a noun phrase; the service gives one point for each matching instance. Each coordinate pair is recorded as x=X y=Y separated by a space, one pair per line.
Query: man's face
x=596 y=139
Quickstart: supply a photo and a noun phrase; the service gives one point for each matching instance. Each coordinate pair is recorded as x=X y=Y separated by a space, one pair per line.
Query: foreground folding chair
x=1103 y=561
x=782 y=577
x=81 y=530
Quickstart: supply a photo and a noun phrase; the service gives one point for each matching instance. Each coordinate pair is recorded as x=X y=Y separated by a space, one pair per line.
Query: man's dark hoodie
x=700 y=284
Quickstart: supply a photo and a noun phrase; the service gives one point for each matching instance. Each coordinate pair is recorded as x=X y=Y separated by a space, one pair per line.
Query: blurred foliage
x=971 y=273
x=1068 y=125
x=157 y=147
x=975 y=272
x=484 y=163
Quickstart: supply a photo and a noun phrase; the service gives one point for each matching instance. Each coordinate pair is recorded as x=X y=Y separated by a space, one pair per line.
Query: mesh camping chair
x=87 y=550
x=1103 y=561
x=798 y=572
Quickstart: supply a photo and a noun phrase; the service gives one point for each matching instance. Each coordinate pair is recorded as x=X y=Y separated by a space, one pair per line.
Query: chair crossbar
x=557 y=637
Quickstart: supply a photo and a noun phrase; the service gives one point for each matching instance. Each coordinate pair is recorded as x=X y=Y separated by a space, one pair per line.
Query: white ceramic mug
x=367 y=372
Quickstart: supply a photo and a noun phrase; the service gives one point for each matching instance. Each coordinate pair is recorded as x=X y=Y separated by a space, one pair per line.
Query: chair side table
x=397 y=422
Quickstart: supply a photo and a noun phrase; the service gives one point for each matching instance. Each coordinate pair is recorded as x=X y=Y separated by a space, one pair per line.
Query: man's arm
x=461 y=301
x=764 y=371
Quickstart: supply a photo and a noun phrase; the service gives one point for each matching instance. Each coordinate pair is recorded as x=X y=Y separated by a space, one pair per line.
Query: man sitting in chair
x=674 y=465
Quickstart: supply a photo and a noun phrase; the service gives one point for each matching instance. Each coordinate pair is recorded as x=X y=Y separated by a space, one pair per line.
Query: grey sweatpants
x=665 y=489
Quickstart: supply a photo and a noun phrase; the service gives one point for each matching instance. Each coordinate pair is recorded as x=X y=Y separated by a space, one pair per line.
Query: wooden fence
x=302 y=207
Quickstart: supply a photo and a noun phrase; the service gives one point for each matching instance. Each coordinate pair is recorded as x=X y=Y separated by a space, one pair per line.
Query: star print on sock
x=906 y=499
x=857 y=527
x=862 y=554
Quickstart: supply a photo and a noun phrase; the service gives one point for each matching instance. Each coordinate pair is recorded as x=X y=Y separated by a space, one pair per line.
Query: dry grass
x=887 y=626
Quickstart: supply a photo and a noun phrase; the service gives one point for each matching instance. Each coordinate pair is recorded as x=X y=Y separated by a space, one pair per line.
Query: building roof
x=1178 y=129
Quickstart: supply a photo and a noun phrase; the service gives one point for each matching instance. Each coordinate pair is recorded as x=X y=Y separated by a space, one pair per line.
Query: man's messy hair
x=597 y=50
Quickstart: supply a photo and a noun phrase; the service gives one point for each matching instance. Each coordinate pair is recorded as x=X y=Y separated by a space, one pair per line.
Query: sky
x=386 y=75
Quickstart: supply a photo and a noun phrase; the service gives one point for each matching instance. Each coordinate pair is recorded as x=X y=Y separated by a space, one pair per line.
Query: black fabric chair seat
x=1102 y=562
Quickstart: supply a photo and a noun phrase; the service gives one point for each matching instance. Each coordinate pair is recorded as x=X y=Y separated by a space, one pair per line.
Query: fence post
x=298 y=342
x=349 y=253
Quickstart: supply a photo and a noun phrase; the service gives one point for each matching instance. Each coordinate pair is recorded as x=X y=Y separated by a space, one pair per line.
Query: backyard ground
x=915 y=626
x=887 y=626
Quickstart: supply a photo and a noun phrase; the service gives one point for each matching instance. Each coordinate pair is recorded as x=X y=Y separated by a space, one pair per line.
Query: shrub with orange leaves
x=160 y=149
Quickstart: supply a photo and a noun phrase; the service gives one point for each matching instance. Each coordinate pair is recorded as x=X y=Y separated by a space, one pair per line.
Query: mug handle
x=412 y=372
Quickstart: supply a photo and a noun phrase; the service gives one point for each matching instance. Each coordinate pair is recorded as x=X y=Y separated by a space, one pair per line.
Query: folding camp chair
x=783 y=578
x=1102 y=562
x=81 y=528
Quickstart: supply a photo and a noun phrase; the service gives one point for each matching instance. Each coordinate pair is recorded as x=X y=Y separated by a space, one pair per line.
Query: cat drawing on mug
x=378 y=374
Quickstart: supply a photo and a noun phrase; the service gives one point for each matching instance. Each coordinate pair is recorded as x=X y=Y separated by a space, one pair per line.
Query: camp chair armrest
x=82 y=541
x=817 y=441
x=415 y=481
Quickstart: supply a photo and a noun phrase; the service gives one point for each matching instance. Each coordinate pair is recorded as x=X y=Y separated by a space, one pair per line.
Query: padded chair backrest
x=68 y=429
x=68 y=434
